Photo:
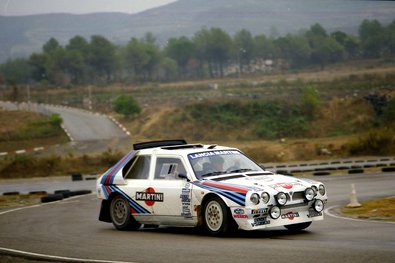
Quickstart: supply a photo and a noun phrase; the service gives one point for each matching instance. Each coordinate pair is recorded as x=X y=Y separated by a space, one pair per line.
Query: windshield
x=211 y=163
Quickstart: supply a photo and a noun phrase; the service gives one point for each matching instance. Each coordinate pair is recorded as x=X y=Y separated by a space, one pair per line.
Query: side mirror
x=183 y=176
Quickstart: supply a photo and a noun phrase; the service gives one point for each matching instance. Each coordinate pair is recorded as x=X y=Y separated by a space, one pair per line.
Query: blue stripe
x=115 y=169
x=137 y=207
x=121 y=166
x=104 y=192
x=238 y=198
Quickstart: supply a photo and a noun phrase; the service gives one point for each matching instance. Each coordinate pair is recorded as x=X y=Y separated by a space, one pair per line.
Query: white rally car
x=218 y=188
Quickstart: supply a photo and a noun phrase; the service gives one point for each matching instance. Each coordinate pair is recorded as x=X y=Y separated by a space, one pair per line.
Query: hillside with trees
x=23 y=35
x=210 y=53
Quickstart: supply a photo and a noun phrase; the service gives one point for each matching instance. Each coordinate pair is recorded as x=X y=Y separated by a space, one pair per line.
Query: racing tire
x=217 y=219
x=120 y=214
x=298 y=227
x=80 y=192
x=51 y=198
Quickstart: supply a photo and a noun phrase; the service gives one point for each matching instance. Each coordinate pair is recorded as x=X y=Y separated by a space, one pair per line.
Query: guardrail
x=324 y=167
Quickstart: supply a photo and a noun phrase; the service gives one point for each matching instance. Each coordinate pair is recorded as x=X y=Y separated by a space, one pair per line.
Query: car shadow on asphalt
x=276 y=233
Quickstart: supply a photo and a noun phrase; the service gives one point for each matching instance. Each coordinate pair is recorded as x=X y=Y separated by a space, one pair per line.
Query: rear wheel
x=217 y=217
x=120 y=214
x=298 y=227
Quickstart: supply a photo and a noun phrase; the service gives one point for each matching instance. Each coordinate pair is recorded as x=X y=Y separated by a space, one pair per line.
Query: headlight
x=254 y=198
x=321 y=189
x=281 y=198
x=309 y=194
x=315 y=188
x=275 y=212
x=265 y=197
x=318 y=205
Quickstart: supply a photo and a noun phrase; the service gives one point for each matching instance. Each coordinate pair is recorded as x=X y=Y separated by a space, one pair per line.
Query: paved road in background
x=89 y=132
x=82 y=125
x=87 y=126
x=70 y=229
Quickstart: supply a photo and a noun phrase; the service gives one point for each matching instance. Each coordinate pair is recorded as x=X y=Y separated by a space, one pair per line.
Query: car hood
x=265 y=181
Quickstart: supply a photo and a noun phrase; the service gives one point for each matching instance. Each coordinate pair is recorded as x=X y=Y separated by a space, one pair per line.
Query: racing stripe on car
x=229 y=187
x=108 y=177
x=106 y=190
x=135 y=207
x=234 y=193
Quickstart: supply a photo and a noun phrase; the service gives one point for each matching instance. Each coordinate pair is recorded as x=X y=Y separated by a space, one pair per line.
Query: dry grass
x=159 y=123
x=20 y=200
x=15 y=121
x=378 y=209
x=12 y=121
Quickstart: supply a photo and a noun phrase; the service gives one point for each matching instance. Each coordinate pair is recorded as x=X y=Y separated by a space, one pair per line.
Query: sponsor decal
x=211 y=153
x=290 y=215
x=313 y=213
x=259 y=211
x=185 y=197
x=135 y=207
x=260 y=221
x=286 y=185
x=239 y=211
x=264 y=178
x=240 y=216
x=149 y=196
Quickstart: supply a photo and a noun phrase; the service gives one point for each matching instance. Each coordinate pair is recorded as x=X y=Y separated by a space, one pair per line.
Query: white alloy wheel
x=121 y=216
x=214 y=215
x=119 y=211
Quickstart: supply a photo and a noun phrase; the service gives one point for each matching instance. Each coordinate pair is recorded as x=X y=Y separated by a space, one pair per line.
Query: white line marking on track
x=51 y=257
x=58 y=258
x=327 y=211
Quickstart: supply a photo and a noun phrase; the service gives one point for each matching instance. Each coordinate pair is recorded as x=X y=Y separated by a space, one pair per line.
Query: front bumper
x=259 y=217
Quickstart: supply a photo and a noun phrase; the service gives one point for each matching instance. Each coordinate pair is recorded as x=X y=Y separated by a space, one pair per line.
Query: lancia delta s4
x=214 y=187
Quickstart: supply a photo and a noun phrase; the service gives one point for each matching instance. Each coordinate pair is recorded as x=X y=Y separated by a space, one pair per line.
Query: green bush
x=310 y=101
x=126 y=105
x=268 y=119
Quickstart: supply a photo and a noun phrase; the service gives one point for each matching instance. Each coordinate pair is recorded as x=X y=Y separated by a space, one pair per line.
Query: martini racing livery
x=215 y=187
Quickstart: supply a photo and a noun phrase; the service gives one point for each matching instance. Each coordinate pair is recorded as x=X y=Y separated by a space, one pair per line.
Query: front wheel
x=120 y=214
x=298 y=227
x=216 y=217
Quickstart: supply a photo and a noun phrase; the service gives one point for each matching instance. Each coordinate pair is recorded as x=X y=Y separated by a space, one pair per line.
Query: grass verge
x=20 y=200
x=377 y=209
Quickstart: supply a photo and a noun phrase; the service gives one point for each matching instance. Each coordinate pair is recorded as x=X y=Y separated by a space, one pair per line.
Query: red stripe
x=108 y=189
x=116 y=167
x=227 y=187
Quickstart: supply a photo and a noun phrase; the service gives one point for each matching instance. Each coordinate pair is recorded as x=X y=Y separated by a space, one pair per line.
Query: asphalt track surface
x=69 y=231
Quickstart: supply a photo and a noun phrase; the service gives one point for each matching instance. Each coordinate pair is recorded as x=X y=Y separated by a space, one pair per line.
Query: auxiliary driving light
x=275 y=212
x=321 y=189
x=254 y=198
x=265 y=197
x=318 y=205
x=309 y=194
x=281 y=198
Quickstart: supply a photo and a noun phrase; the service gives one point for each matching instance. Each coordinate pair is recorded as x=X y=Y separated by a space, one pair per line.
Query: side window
x=169 y=168
x=139 y=168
